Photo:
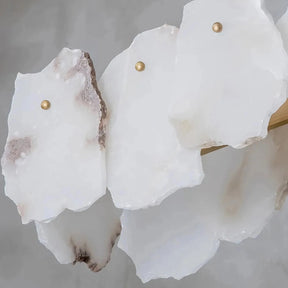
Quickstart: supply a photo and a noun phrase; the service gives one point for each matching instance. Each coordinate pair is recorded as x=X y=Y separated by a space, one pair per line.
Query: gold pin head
x=45 y=104
x=217 y=27
x=140 y=66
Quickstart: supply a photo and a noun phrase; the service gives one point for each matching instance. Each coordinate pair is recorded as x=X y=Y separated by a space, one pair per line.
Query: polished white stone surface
x=145 y=161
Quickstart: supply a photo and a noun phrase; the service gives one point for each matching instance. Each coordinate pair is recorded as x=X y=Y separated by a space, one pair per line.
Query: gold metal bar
x=278 y=119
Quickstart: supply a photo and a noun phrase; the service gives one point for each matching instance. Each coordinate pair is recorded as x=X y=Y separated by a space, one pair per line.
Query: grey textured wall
x=31 y=34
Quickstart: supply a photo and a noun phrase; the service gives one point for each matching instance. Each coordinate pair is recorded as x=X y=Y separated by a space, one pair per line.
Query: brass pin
x=217 y=27
x=140 y=66
x=45 y=104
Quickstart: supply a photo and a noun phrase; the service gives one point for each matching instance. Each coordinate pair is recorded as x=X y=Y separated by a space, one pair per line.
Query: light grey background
x=31 y=34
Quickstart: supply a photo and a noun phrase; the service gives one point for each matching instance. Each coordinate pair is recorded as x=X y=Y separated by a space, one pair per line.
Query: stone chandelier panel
x=90 y=162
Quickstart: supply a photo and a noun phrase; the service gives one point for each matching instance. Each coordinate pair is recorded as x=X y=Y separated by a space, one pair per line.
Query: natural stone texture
x=55 y=159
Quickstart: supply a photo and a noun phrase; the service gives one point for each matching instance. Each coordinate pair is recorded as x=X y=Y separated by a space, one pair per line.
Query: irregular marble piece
x=55 y=159
x=236 y=199
x=145 y=161
x=228 y=84
x=86 y=237
x=172 y=240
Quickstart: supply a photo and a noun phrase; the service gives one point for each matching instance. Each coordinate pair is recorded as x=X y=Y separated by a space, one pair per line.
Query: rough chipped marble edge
x=103 y=108
x=101 y=130
x=172 y=28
